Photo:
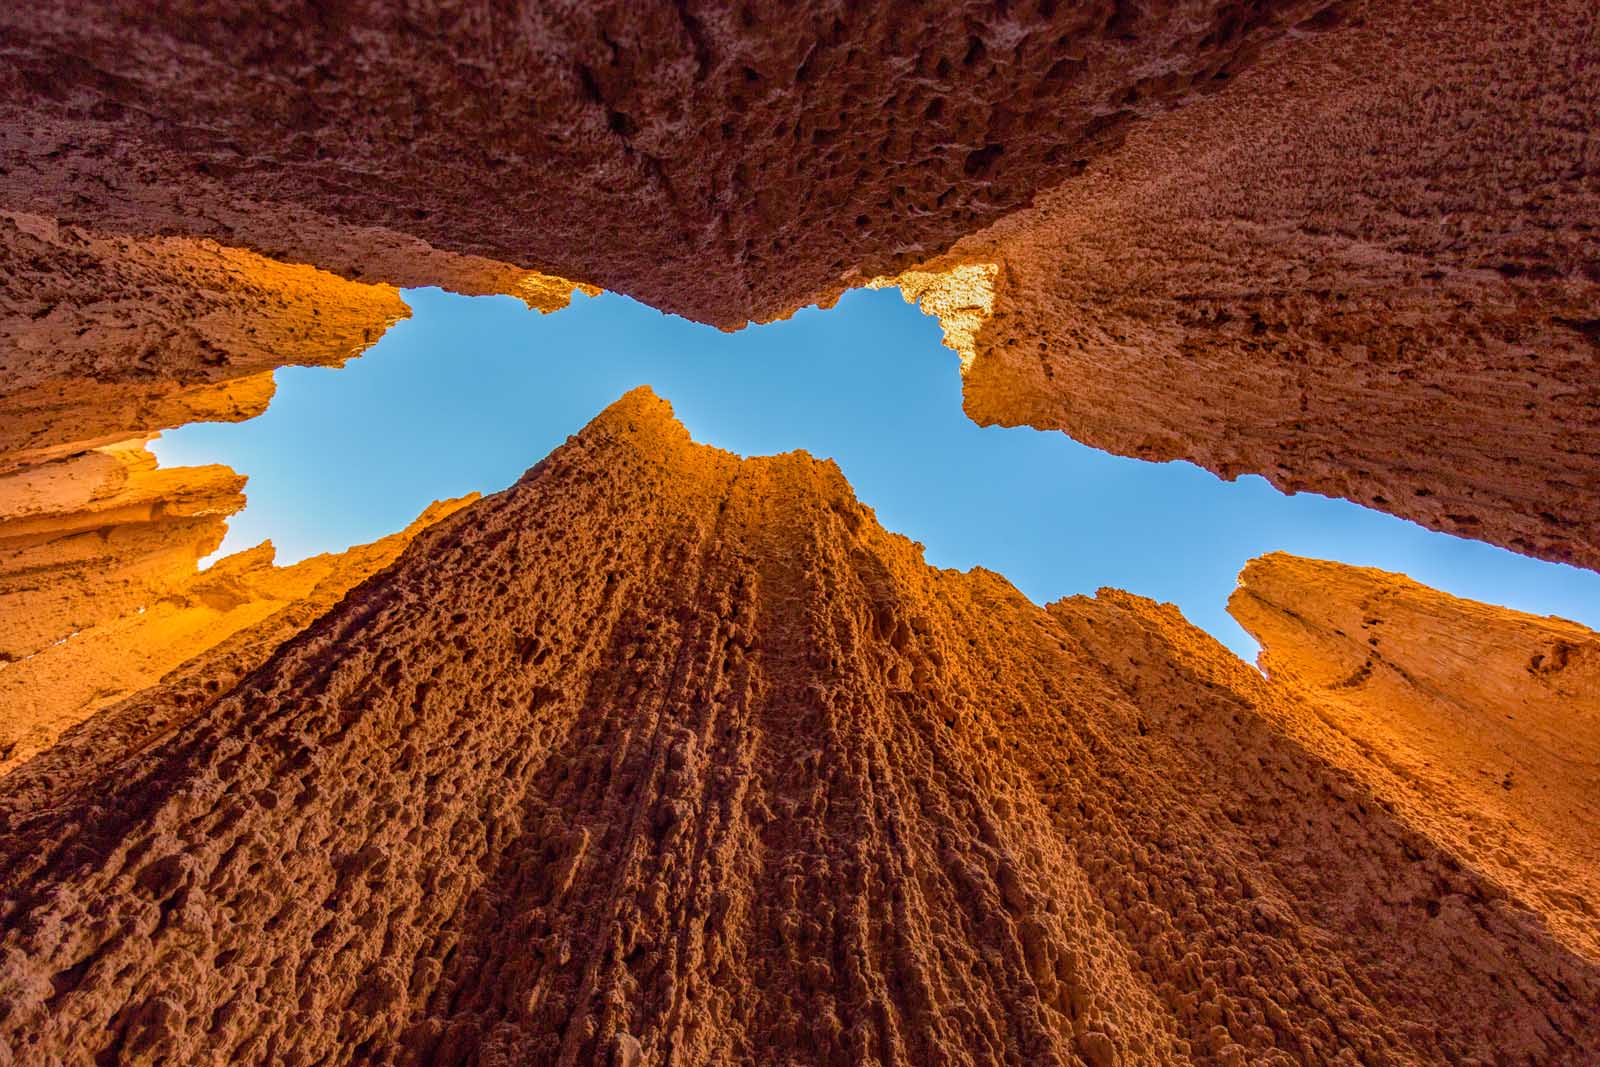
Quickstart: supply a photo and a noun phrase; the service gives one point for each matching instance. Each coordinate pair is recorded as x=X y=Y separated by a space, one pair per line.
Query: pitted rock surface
x=1369 y=269
x=55 y=687
x=107 y=338
x=724 y=161
x=666 y=756
x=1349 y=245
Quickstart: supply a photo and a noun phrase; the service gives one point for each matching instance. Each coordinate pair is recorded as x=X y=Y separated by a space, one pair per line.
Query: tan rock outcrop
x=1480 y=724
x=58 y=686
x=666 y=756
x=97 y=535
x=107 y=338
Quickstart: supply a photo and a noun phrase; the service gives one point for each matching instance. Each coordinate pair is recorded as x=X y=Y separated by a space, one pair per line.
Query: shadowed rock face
x=1483 y=724
x=1369 y=269
x=1350 y=245
x=778 y=148
x=666 y=756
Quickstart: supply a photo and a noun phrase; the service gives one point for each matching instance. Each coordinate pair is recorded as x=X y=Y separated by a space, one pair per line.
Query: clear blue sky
x=470 y=392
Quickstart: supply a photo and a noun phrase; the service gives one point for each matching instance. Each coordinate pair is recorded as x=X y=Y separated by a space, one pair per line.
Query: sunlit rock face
x=106 y=338
x=666 y=756
x=124 y=639
x=1482 y=724
x=101 y=534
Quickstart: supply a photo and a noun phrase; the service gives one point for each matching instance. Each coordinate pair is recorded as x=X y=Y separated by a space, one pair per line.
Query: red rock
x=1349 y=246
x=669 y=756
x=184 y=615
x=1369 y=269
x=728 y=162
x=103 y=339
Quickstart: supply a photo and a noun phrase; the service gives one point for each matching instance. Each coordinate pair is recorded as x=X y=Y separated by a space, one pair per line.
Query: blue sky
x=470 y=392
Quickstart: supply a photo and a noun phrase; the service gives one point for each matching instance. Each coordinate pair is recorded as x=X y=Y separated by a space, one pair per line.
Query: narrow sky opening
x=470 y=392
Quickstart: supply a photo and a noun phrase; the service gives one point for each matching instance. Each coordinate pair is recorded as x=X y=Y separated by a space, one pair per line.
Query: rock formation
x=1346 y=244
x=1480 y=724
x=103 y=339
x=100 y=534
x=1369 y=269
x=664 y=756
x=57 y=686
x=776 y=147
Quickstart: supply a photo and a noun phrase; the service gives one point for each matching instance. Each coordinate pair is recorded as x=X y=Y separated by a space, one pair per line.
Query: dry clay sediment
x=666 y=756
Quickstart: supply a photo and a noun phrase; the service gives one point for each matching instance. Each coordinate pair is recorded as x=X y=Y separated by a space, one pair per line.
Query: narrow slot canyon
x=871 y=534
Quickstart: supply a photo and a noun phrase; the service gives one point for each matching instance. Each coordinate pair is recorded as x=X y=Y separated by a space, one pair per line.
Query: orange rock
x=97 y=535
x=662 y=755
x=1349 y=246
x=54 y=688
x=1367 y=269
x=106 y=338
x=1480 y=724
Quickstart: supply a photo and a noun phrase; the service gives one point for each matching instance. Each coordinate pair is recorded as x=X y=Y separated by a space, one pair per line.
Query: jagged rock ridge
x=98 y=535
x=146 y=630
x=1482 y=724
x=666 y=756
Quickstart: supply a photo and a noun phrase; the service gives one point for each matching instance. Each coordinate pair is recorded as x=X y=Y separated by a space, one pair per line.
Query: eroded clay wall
x=666 y=754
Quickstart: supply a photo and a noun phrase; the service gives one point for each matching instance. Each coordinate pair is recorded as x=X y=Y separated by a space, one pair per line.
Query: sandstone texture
x=777 y=148
x=1350 y=245
x=57 y=686
x=1369 y=269
x=106 y=338
x=97 y=535
x=1481 y=724
x=664 y=756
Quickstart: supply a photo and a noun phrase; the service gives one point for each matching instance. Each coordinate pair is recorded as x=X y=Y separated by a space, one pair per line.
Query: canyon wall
x=108 y=338
x=661 y=755
x=122 y=648
x=1349 y=245
x=665 y=756
x=779 y=149
x=1480 y=723
x=98 y=535
x=1369 y=269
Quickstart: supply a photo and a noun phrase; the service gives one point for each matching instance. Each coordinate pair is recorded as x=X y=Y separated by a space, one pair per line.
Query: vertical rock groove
x=666 y=756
